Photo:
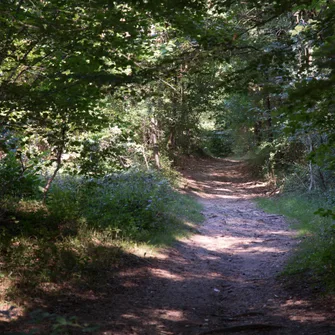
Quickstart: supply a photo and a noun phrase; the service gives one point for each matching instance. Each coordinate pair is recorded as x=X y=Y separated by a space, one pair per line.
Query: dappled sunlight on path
x=221 y=179
x=223 y=279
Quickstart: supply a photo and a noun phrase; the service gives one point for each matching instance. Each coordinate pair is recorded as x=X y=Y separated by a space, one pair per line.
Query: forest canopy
x=93 y=87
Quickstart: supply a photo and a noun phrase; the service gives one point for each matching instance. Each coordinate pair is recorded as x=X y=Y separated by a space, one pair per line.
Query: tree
x=59 y=58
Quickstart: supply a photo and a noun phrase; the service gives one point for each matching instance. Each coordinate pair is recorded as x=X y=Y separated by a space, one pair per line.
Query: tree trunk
x=52 y=177
x=58 y=160
x=171 y=144
x=145 y=157
x=144 y=145
x=155 y=142
x=258 y=132
x=311 y=170
x=269 y=120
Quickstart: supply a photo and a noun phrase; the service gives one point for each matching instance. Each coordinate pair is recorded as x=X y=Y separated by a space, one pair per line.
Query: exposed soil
x=221 y=280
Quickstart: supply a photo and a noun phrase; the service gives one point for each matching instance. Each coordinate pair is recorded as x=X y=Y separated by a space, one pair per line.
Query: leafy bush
x=219 y=143
x=296 y=179
x=64 y=198
x=315 y=257
x=276 y=159
x=130 y=202
x=16 y=181
x=86 y=227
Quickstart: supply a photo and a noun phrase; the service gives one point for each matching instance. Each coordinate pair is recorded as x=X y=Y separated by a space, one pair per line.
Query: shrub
x=16 y=181
x=219 y=143
x=64 y=198
x=86 y=225
x=130 y=202
x=315 y=256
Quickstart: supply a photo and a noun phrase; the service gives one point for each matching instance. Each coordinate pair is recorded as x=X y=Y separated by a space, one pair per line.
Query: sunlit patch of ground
x=161 y=273
x=302 y=311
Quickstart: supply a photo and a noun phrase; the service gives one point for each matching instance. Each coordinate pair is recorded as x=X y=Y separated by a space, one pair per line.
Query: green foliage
x=86 y=227
x=129 y=202
x=218 y=143
x=314 y=259
x=60 y=59
x=64 y=199
x=15 y=181
x=276 y=159
x=100 y=153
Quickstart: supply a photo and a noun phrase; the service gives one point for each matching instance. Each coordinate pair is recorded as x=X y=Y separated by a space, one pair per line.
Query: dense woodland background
x=101 y=100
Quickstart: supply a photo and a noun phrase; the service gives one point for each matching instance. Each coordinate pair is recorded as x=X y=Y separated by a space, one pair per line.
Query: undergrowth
x=314 y=260
x=86 y=228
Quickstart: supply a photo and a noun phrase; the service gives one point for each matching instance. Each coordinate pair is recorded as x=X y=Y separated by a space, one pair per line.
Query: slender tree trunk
x=145 y=142
x=145 y=157
x=258 y=132
x=172 y=139
x=320 y=172
x=155 y=142
x=172 y=143
x=311 y=170
x=311 y=177
x=52 y=177
x=322 y=179
x=269 y=120
x=58 y=160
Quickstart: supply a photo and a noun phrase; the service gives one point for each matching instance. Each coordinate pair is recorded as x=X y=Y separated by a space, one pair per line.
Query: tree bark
x=311 y=170
x=58 y=160
x=155 y=142
x=258 y=132
x=269 y=120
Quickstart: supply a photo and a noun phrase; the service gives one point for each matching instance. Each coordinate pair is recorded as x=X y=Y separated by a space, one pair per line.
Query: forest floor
x=224 y=279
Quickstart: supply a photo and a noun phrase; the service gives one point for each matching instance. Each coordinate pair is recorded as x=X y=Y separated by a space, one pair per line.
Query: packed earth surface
x=223 y=279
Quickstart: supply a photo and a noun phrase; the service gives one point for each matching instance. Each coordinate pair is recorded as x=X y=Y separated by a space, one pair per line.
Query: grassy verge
x=87 y=229
x=315 y=258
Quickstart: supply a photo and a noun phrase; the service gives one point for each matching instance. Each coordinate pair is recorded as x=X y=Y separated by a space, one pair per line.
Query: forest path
x=221 y=280
x=240 y=251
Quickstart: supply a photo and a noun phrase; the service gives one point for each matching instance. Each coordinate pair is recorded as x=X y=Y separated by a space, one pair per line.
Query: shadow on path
x=221 y=280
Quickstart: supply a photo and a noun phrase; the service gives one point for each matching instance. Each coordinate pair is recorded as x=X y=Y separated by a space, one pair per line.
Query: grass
x=314 y=260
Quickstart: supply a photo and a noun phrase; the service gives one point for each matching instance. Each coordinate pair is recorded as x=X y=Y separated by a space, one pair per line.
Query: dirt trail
x=223 y=279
